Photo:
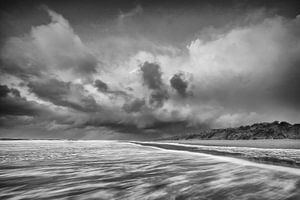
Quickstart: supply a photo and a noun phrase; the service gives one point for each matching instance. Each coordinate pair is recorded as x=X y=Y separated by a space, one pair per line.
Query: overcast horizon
x=119 y=69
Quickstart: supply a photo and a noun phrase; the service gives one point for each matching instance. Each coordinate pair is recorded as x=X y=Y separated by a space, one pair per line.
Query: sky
x=146 y=69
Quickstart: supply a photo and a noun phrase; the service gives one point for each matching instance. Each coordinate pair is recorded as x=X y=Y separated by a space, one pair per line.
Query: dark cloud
x=151 y=74
x=152 y=78
x=134 y=106
x=17 y=111
x=119 y=93
x=18 y=66
x=179 y=83
x=11 y=121
x=158 y=97
x=86 y=65
x=64 y=94
x=100 y=85
x=4 y=90
x=244 y=64
x=11 y=103
x=103 y=87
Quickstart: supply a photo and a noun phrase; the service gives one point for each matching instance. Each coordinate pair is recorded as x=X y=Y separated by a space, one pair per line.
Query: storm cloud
x=152 y=78
x=53 y=48
x=179 y=83
x=137 y=67
x=64 y=94
x=11 y=103
x=151 y=74
x=101 y=86
x=135 y=106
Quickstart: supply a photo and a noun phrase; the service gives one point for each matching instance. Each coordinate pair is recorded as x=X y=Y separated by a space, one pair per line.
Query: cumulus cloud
x=158 y=97
x=152 y=78
x=245 y=71
x=16 y=110
x=112 y=93
x=239 y=76
x=64 y=94
x=51 y=63
x=101 y=86
x=151 y=74
x=11 y=103
x=49 y=49
x=179 y=83
x=134 y=106
x=244 y=64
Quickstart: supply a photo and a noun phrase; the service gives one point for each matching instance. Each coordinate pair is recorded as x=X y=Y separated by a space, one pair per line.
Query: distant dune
x=274 y=130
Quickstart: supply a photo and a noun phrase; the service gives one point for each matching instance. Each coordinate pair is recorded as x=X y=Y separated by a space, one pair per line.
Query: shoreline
x=264 y=143
x=257 y=155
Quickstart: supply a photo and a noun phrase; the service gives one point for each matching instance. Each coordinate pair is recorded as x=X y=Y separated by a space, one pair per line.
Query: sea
x=42 y=169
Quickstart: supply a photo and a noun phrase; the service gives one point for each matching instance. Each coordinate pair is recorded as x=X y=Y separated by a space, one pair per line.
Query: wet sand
x=267 y=144
x=275 y=152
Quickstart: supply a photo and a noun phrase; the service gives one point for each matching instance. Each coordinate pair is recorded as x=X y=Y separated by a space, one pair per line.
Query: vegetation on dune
x=274 y=130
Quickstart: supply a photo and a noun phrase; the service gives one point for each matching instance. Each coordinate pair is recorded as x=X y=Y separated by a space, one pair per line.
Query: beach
x=274 y=152
x=44 y=169
x=267 y=143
